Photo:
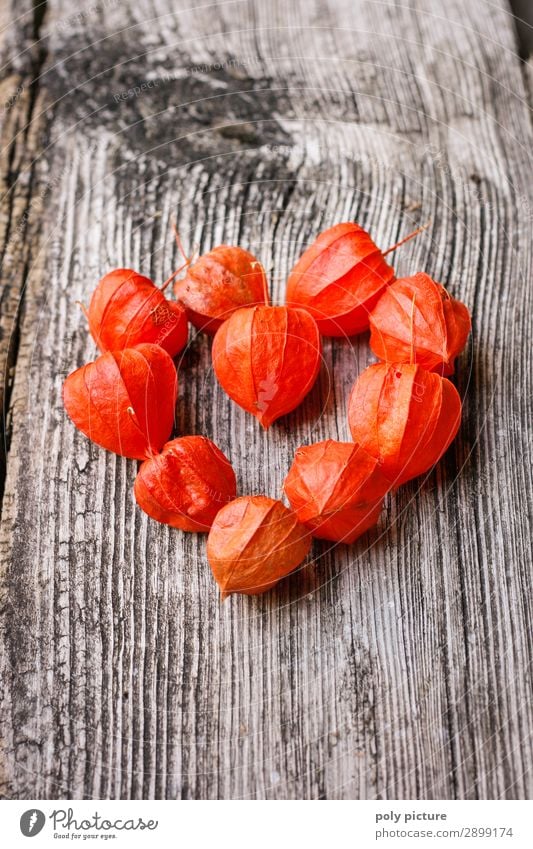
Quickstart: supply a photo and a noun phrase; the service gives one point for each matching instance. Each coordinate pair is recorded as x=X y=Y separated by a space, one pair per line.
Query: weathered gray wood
x=22 y=127
x=396 y=668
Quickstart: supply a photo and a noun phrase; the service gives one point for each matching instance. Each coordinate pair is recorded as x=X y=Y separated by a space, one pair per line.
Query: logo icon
x=32 y=822
x=267 y=391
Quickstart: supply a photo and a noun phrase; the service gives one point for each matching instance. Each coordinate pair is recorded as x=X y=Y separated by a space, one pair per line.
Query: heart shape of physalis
x=125 y=400
x=336 y=489
x=127 y=309
x=253 y=543
x=218 y=283
x=267 y=359
x=404 y=416
x=416 y=320
x=186 y=484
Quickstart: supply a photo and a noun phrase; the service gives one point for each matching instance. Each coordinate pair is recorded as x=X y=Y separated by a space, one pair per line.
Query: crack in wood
x=20 y=140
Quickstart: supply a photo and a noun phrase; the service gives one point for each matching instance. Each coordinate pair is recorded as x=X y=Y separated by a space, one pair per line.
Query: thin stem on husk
x=83 y=309
x=178 y=241
x=407 y=238
x=188 y=259
x=174 y=274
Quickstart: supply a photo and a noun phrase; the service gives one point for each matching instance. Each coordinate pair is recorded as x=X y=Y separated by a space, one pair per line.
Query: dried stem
x=83 y=309
x=407 y=238
x=175 y=274
x=188 y=259
x=179 y=242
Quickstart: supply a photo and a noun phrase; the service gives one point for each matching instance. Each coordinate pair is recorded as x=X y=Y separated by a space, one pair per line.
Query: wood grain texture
x=399 y=667
x=22 y=131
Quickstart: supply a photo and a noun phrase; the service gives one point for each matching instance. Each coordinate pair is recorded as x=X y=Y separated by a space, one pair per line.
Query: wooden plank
x=395 y=668
x=22 y=182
